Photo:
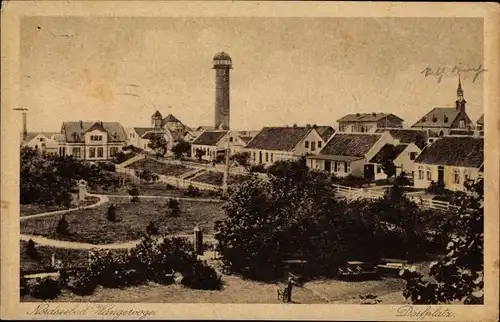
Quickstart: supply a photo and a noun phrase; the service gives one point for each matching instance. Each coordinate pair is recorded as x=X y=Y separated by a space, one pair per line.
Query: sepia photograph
x=286 y=160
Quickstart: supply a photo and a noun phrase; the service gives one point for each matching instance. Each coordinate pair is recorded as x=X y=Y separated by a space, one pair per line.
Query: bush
x=31 y=250
x=46 y=288
x=23 y=286
x=83 y=283
x=112 y=212
x=257 y=168
x=192 y=191
x=173 y=208
x=114 y=271
x=134 y=192
x=202 y=277
x=107 y=166
x=438 y=189
x=62 y=226
x=152 y=228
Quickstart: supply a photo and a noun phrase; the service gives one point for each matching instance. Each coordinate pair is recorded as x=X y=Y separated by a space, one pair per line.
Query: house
x=368 y=122
x=447 y=120
x=450 y=161
x=273 y=144
x=407 y=136
x=212 y=143
x=480 y=125
x=93 y=141
x=402 y=156
x=350 y=154
x=38 y=140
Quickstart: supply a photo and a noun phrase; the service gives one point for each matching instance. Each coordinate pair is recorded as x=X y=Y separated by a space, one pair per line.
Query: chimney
x=81 y=124
x=25 y=126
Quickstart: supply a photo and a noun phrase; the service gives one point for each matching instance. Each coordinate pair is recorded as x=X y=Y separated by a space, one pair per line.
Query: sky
x=286 y=70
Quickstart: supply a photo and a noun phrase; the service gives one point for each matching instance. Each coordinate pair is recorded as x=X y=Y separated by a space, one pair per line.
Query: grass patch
x=215 y=178
x=157 y=189
x=161 y=168
x=32 y=209
x=91 y=225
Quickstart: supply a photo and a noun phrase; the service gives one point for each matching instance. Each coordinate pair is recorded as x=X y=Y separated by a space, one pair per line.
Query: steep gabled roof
x=350 y=144
x=74 y=131
x=245 y=139
x=157 y=114
x=325 y=131
x=388 y=151
x=143 y=130
x=404 y=135
x=438 y=117
x=31 y=135
x=455 y=151
x=150 y=135
x=366 y=117
x=279 y=138
x=209 y=138
x=171 y=118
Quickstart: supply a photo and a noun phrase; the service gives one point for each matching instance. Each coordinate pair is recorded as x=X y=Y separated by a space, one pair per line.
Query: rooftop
x=350 y=144
x=279 y=138
x=209 y=138
x=455 y=151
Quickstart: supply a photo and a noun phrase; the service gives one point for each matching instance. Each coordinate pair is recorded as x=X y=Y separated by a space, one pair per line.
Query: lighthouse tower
x=222 y=64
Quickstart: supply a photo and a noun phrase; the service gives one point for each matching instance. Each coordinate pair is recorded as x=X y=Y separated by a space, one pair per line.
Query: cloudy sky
x=286 y=70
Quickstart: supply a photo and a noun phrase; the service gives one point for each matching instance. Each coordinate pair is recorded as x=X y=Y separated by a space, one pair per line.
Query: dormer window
x=446 y=119
x=461 y=123
x=434 y=119
x=424 y=119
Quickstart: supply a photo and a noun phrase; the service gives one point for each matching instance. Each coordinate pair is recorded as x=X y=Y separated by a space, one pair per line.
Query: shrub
x=113 y=271
x=202 y=277
x=62 y=226
x=258 y=168
x=134 y=192
x=438 y=189
x=31 y=250
x=192 y=191
x=23 y=286
x=173 y=209
x=152 y=228
x=107 y=166
x=112 y=212
x=83 y=283
x=46 y=288
x=168 y=186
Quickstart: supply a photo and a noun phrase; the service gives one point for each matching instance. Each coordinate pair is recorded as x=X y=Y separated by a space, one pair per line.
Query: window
x=319 y=144
x=466 y=175
x=379 y=169
x=272 y=157
x=254 y=156
x=446 y=119
x=421 y=173
x=347 y=167
x=231 y=139
x=313 y=146
x=461 y=123
x=76 y=152
x=306 y=144
x=113 y=151
x=92 y=153
x=100 y=152
x=429 y=174
x=413 y=155
x=267 y=157
x=335 y=166
x=42 y=139
x=456 y=176
x=96 y=138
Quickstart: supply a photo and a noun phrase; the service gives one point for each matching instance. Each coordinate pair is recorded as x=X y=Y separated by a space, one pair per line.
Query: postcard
x=250 y=160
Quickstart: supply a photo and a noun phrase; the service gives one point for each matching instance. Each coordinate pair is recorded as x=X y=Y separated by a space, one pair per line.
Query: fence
x=354 y=193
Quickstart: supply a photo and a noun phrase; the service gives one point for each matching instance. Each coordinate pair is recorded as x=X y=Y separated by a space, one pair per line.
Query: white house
x=350 y=153
x=39 y=140
x=212 y=143
x=450 y=161
x=402 y=156
x=93 y=141
x=272 y=144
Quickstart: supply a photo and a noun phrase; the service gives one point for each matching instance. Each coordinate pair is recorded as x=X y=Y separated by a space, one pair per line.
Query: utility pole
x=226 y=167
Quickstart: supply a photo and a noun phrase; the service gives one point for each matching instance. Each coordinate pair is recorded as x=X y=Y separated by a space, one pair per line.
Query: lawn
x=238 y=290
x=157 y=167
x=91 y=225
x=215 y=178
x=157 y=189
x=32 y=209
x=28 y=265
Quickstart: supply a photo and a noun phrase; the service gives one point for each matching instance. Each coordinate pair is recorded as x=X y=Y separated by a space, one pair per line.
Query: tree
x=62 y=226
x=134 y=192
x=31 y=250
x=152 y=228
x=112 y=212
x=458 y=276
x=159 y=144
x=242 y=159
x=199 y=153
x=180 y=148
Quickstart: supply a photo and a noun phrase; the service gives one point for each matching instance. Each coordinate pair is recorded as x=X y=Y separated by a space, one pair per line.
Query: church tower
x=222 y=64
x=460 y=102
x=156 y=120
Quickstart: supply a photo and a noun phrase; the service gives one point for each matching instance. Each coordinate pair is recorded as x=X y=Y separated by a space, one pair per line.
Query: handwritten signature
x=441 y=71
x=420 y=313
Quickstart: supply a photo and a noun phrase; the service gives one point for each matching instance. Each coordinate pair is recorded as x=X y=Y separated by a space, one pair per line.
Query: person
x=213 y=163
x=289 y=287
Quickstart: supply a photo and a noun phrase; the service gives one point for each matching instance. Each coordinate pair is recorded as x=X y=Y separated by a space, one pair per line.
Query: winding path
x=43 y=241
